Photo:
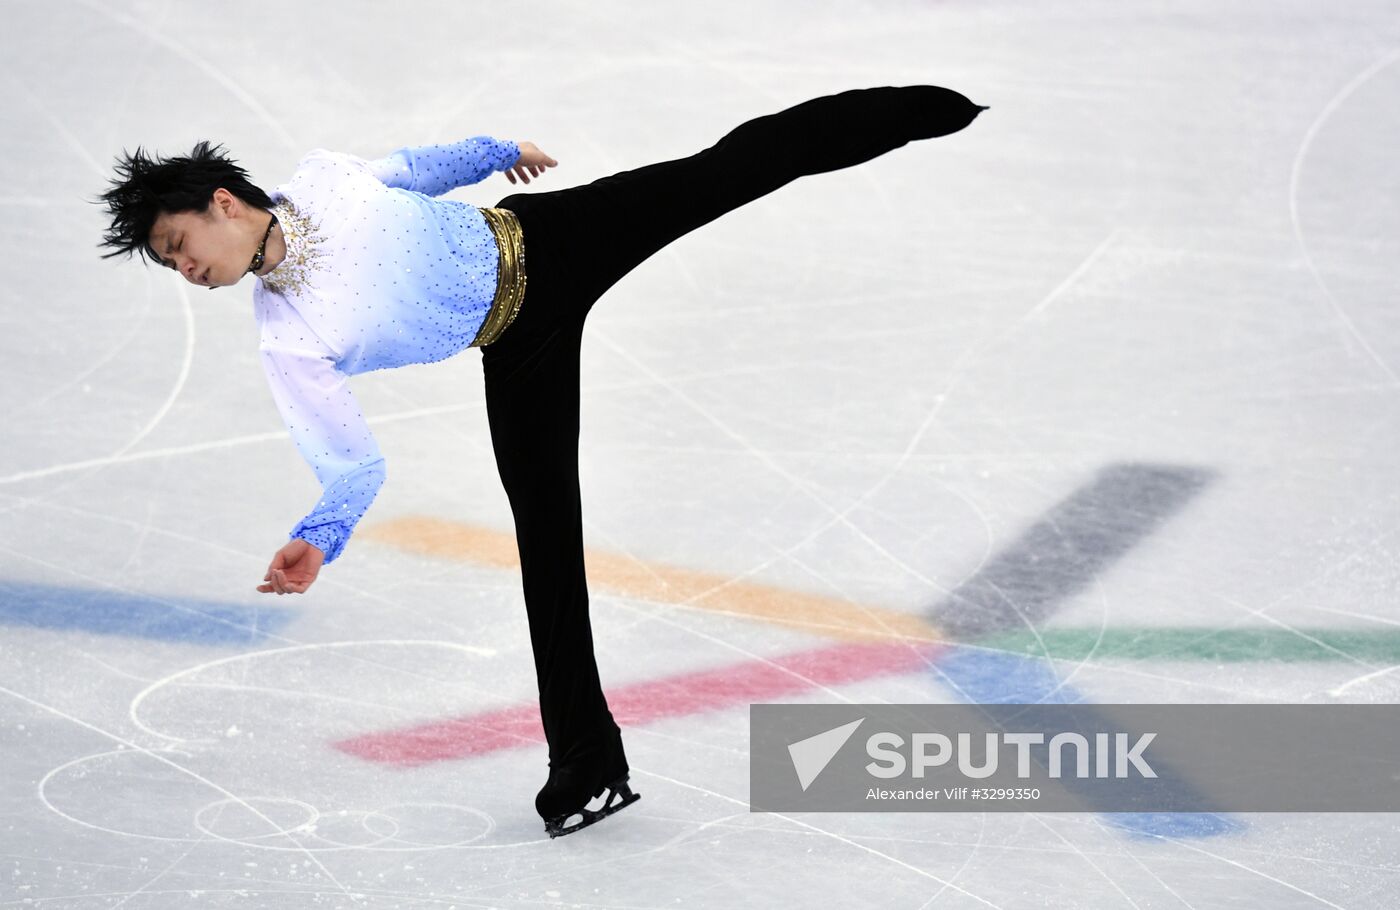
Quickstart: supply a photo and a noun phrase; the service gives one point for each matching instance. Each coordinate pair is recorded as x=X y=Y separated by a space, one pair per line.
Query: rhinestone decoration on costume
x=378 y=273
x=302 y=238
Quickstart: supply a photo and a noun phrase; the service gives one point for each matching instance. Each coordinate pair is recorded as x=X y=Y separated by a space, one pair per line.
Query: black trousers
x=578 y=243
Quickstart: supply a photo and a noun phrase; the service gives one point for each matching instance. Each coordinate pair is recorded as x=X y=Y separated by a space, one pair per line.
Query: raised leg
x=613 y=224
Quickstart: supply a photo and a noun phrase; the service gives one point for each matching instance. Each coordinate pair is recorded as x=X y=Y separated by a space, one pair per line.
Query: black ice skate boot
x=939 y=111
x=572 y=786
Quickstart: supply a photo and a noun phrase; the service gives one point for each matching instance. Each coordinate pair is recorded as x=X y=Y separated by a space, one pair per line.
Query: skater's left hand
x=532 y=160
x=293 y=568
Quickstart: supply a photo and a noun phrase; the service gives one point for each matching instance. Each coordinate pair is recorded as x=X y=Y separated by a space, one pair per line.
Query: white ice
x=1171 y=240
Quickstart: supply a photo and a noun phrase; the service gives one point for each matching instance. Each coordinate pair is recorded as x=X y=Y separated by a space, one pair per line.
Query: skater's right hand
x=293 y=568
x=532 y=160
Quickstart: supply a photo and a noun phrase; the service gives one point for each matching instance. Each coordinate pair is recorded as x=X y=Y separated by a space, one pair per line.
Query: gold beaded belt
x=510 y=275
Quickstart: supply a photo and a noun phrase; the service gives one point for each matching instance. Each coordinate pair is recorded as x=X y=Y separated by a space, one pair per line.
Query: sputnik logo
x=810 y=756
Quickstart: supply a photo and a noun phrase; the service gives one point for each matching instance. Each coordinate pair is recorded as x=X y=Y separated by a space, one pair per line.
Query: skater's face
x=211 y=248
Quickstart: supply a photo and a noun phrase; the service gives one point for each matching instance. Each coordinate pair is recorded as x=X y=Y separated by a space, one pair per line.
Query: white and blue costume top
x=377 y=274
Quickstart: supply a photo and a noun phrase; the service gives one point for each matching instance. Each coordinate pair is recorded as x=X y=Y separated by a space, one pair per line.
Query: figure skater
x=359 y=267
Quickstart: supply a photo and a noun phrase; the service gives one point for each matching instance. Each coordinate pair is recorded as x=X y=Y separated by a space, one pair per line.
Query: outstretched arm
x=329 y=430
x=532 y=162
x=436 y=169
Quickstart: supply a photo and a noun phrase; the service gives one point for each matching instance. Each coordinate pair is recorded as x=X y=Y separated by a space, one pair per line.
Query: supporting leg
x=532 y=405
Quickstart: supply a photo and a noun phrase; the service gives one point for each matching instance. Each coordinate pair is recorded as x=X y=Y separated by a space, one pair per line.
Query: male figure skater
x=358 y=266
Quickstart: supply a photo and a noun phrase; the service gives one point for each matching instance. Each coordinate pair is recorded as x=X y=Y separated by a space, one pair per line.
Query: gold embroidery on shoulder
x=303 y=239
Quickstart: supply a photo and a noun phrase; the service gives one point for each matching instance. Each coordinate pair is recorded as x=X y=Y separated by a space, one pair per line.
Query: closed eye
x=170 y=264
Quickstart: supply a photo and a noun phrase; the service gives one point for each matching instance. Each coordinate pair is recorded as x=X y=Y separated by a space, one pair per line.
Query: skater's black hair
x=146 y=186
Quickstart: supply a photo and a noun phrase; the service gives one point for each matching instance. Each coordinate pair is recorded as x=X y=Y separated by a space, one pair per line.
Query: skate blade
x=618 y=790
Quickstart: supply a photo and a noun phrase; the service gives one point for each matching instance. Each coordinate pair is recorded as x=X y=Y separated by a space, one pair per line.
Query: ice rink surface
x=1144 y=300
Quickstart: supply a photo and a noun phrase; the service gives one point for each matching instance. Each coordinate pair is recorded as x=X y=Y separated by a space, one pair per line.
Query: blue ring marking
x=137 y=615
x=982 y=676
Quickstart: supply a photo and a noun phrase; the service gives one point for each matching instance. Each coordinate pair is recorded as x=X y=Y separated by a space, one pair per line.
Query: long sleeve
x=314 y=399
x=436 y=169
